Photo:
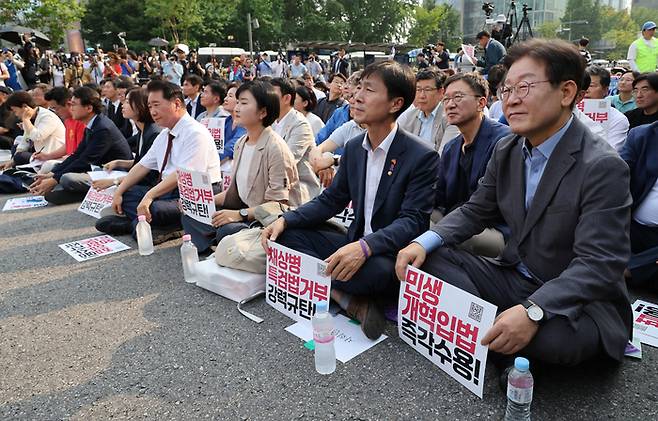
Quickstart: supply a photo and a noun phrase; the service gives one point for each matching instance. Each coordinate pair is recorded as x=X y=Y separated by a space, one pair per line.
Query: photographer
x=441 y=58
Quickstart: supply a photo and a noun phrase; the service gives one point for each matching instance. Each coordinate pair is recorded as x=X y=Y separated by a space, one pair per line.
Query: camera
x=526 y=9
x=488 y=8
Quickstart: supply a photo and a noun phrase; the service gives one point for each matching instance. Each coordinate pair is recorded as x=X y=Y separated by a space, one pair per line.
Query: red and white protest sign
x=30 y=202
x=645 y=322
x=295 y=282
x=95 y=201
x=196 y=195
x=469 y=53
x=445 y=324
x=92 y=248
x=216 y=126
x=346 y=217
x=597 y=110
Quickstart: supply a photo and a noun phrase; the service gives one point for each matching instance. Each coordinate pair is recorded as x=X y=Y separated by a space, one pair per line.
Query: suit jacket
x=493 y=54
x=412 y=124
x=298 y=134
x=102 y=143
x=448 y=189
x=199 y=108
x=641 y=154
x=151 y=131
x=574 y=237
x=118 y=119
x=341 y=66
x=404 y=199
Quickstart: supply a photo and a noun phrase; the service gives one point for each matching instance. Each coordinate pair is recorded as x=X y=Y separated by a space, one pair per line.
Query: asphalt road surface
x=124 y=337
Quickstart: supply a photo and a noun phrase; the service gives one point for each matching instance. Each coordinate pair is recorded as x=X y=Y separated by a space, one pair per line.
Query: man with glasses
x=563 y=193
x=645 y=89
x=643 y=52
x=326 y=106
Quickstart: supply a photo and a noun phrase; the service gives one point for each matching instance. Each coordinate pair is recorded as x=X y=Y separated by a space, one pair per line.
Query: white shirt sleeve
x=150 y=159
x=618 y=129
x=632 y=55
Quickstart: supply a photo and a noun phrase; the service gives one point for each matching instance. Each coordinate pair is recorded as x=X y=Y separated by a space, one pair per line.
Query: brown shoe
x=369 y=314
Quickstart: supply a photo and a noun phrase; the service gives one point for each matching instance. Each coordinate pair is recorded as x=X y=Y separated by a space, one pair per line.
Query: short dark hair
x=93 y=86
x=125 y=84
x=562 y=60
x=170 y=91
x=441 y=43
x=19 y=99
x=44 y=87
x=436 y=75
x=218 y=89
x=587 y=80
x=115 y=82
x=58 y=94
x=338 y=75
x=650 y=77
x=89 y=97
x=483 y=34
x=285 y=87
x=263 y=93
x=474 y=80
x=307 y=94
x=603 y=74
x=138 y=100
x=398 y=79
x=495 y=77
x=195 y=80
x=633 y=72
x=583 y=42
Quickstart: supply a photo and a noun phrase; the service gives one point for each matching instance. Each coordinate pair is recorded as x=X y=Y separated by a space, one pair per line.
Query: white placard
x=106 y=175
x=445 y=325
x=95 y=201
x=598 y=110
x=349 y=338
x=645 y=322
x=91 y=248
x=346 y=217
x=295 y=282
x=196 y=195
x=216 y=126
x=25 y=203
x=469 y=53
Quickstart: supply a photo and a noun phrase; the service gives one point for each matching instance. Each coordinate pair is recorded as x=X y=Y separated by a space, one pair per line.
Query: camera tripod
x=524 y=29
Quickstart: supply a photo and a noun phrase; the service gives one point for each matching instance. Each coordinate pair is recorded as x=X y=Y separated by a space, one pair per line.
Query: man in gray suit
x=564 y=194
x=295 y=129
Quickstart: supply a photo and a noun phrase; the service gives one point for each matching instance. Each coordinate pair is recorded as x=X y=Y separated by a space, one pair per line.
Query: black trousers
x=376 y=278
x=643 y=267
x=556 y=341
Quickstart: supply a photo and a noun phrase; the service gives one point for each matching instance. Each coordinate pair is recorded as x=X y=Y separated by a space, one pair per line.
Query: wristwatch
x=244 y=213
x=535 y=313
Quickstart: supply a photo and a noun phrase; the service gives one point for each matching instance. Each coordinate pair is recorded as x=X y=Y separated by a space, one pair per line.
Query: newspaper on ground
x=645 y=322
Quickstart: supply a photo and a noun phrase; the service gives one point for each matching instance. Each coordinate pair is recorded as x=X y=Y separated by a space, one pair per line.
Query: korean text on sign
x=445 y=325
x=91 y=248
x=196 y=195
x=597 y=110
x=295 y=282
x=645 y=322
x=95 y=201
x=216 y=128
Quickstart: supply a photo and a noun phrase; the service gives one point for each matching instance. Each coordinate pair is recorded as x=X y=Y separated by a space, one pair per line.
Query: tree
x=639 y=15
x=619 y=31
x=548 y=30
x=583 y=10
x=373 y=21
x=100 y=23
x=177 y=17
x=432 y=24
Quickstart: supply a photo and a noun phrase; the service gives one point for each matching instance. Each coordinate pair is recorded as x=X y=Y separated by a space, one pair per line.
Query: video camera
x=488 y=8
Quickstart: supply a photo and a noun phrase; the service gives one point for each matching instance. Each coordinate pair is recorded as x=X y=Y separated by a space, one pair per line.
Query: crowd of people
x=499 y=185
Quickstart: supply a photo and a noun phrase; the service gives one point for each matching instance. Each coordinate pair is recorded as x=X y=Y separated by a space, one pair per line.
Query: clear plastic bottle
x=144 y=238
x=190 y=257
x=323 y=336
x=519 y=391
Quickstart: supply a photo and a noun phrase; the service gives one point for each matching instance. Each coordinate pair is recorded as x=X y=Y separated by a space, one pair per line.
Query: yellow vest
x=647 y=57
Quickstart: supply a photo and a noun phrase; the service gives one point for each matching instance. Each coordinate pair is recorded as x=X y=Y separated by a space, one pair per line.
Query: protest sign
x=91 y=248
x=95 y=201
x=445 y=324
x=105 y=175
x=349 y=342
x=597 y=110
x=25 y=203
x=215 y=126
x=346 y=217
x=469 y=53
x=645 y=322
x=196 y=195
x=295 y=282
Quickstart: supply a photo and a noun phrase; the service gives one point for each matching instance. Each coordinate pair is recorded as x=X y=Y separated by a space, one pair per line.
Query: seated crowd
x=540 y=210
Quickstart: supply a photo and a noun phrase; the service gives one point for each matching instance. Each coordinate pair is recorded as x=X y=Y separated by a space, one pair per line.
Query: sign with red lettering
x=92 y=248
x=445 y=325
x=645 y=322
x=196 y=195
x=216 y=126
x=295 y=282
x=95 y=201
x=598 y=110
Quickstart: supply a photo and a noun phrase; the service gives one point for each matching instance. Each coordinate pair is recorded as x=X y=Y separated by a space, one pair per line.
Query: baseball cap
x=184 y=48
x=648 y=26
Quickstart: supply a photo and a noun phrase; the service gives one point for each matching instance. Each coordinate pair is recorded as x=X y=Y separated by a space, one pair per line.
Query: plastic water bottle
x=519 y=391
x=323 y=336
x=144 y=238
x=190 y=257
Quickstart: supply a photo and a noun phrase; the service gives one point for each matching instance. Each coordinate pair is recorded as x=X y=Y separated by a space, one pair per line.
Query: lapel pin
x=392 y=167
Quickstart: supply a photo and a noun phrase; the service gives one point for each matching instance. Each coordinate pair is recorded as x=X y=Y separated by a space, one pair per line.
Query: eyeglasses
x=642 y=90
x=522 y=89
x=457 y=98
x=426 y=90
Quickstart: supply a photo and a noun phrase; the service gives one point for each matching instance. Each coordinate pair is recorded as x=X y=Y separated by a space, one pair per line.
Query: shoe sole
x=374 y=323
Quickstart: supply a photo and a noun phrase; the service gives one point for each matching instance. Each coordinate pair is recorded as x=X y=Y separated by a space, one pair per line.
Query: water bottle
x=144 y=239
x=519 y=391
x=190 y=257
x=323 y=336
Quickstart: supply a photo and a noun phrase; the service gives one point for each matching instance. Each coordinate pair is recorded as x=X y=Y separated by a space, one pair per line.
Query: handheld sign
x=645 y=322
x=91 y=248
x=295 y=282
x=215 y=126
x=445 y=325
x=597 y=110
x=196 y=195
x=95 y=201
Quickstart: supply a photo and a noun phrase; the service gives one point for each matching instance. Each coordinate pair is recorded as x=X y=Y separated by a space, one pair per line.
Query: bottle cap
x=321 y=307
x=141 y=218
x=187 y=237
x=521 y=364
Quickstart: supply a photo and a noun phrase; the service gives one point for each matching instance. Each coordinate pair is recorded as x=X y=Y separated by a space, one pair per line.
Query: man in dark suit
x=192 y=85
x=113 y=105
x=641 y=154
x=564 y=194
x=102 y=143
x=341 y=65
x=390 y=176
x=494 y=51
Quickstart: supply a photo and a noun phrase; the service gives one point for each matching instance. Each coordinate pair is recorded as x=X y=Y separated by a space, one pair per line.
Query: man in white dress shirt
x=617 y=121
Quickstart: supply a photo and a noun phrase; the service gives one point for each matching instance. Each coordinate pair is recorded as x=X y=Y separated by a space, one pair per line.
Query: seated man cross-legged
x=390 y=177
x=563 y=192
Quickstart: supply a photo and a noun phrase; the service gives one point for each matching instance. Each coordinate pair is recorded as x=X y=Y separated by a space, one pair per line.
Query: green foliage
x=100 y=25
x=433 y=24
x=639 y=15
x=583 y=10
x=53 y=17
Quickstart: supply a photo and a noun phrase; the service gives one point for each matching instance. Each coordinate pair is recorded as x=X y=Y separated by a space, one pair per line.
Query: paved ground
x=124 y=337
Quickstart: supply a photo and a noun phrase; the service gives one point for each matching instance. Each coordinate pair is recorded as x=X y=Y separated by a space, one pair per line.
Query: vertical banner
x=196 y=195
x=295 y=282
x=215 y=126
x=95 y=201
x=597 y=110
x=445 y=325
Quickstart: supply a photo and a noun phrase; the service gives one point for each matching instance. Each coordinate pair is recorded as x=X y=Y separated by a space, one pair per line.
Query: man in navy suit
x=494 y=51
x=465 y=157
x=641 y=154
x=390 y=177
x=102 y=143
x=192 y=86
